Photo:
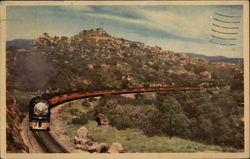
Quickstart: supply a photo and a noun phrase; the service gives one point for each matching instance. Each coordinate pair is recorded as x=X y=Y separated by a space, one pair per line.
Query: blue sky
x=179 y=28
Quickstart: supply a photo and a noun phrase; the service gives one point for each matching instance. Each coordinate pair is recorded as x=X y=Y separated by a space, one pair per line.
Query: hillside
x=86 y=57
x=27 y=44
x=14 y=141
x=93 y=59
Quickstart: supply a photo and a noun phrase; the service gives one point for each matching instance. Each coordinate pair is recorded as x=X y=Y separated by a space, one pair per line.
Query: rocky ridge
x=96 y=51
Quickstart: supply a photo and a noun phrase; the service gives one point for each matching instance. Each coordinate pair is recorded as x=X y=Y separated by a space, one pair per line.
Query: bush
x=83 y=119
x=145 y=117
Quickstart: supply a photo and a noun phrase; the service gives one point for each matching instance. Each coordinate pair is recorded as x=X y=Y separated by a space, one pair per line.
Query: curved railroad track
x=48 y=142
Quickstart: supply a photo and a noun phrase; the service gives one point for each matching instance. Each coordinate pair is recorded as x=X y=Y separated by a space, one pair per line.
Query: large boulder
x=206 y=74
x=82 y=132
x=81 y=140
x=102 y=120
x=84 y=143
x=116 y=148
x=98 y=147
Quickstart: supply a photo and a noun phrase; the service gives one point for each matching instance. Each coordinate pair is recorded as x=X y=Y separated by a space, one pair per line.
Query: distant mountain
x=216 y=58
x=20 y=43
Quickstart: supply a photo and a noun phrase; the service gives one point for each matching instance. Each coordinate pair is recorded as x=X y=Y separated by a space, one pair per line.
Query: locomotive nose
x=41 y=108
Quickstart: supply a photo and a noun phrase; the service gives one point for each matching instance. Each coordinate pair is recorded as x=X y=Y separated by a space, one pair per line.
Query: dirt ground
x=28 y=138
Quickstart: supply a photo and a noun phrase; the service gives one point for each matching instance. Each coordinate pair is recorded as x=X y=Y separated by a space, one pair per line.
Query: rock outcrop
x=98 y=147
x=116 y=148
x=94 y=32
x=82 y=132
x=206 y=74
x=81 y=140
x=84 y=143
x=102 y=120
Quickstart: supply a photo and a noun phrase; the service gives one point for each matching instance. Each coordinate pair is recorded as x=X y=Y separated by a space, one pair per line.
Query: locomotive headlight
x=41 y=108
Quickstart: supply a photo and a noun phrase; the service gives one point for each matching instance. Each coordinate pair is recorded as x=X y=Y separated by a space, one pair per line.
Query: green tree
x=176 y=121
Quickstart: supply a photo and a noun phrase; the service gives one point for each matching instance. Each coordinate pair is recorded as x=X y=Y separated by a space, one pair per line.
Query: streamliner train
x=39 y=112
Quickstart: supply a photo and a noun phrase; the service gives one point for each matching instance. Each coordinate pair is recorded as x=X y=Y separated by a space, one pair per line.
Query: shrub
x=82 y=119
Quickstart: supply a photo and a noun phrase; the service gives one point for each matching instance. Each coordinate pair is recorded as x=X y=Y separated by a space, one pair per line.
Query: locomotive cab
x=39 y=114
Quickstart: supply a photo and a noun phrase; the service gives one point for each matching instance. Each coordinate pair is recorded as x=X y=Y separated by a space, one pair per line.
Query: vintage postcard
x=125 y=79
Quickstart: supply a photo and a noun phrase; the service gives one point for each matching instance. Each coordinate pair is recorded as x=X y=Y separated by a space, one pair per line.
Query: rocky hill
x=27 y=44
x=94 y=59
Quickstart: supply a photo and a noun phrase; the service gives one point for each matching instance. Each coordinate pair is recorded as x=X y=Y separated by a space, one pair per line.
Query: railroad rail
x=48 y=142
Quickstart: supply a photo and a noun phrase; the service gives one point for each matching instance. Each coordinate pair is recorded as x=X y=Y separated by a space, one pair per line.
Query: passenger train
x=40 y=106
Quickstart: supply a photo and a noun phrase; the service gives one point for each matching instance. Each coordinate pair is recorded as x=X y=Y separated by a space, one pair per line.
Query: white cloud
x=188 y=26
x=166 y=21
x=118 y=18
